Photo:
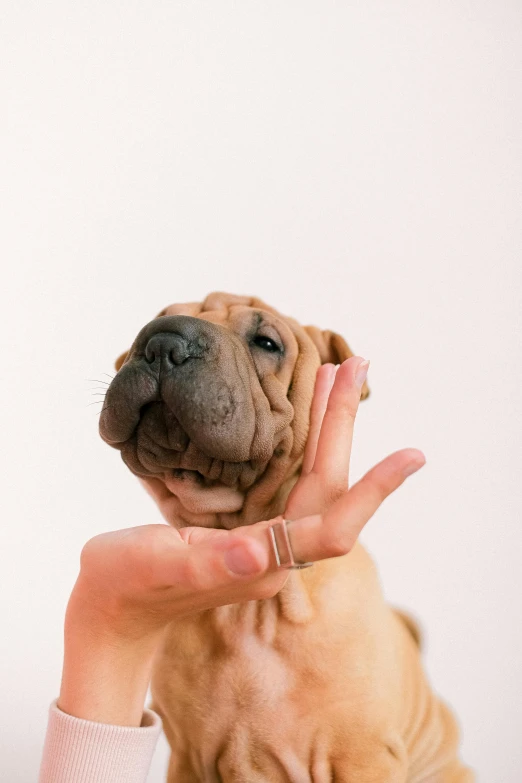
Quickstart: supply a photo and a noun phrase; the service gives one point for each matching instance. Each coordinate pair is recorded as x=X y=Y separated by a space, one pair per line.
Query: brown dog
x=323 y=682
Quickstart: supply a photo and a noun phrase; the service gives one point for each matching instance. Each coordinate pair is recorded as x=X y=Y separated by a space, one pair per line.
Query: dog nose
x=170 y=349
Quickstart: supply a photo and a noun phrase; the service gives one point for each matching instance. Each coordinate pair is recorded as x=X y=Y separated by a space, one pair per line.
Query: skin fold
x=210 y=408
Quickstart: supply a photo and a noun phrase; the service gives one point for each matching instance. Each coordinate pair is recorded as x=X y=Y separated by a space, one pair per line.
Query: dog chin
x=198 y=497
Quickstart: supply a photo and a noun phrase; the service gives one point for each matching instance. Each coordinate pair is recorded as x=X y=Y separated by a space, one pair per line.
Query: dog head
x=210 y=407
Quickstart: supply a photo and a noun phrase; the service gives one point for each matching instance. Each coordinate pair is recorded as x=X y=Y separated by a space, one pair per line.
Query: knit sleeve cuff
x=83 y=751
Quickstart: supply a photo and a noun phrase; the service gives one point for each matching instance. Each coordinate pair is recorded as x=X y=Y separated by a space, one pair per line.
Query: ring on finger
x=282 y=548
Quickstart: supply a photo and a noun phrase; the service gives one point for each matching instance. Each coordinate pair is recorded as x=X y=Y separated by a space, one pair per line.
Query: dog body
x=324 y=681
x=321 y=683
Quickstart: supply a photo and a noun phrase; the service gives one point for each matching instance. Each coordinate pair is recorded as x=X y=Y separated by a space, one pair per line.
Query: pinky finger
x=334 y=533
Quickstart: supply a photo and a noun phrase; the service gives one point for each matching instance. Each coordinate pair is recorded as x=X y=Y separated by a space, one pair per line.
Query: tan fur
x=324 y=682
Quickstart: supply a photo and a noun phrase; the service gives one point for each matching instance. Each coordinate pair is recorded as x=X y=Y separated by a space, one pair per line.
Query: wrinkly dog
x=210 y=408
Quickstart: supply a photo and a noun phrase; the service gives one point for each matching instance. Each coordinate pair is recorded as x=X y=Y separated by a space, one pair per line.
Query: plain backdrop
x=358 y=165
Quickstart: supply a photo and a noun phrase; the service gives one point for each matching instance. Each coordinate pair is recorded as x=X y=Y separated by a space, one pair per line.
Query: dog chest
x=247 y=697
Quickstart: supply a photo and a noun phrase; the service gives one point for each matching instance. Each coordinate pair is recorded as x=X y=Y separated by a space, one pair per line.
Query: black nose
x=170 y=349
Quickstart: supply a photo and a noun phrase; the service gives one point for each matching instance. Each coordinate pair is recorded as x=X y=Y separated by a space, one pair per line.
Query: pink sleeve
x=82 y=751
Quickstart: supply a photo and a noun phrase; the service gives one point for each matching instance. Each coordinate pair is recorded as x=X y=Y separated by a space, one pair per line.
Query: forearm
x=106 y=673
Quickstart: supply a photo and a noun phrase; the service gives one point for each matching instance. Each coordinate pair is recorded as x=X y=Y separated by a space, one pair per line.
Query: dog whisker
x=102 y=409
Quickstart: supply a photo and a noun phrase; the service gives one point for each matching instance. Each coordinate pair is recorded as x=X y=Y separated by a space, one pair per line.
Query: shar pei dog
x=323 y=682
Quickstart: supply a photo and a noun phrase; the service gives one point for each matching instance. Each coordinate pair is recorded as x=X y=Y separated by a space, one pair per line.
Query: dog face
x=210 y=407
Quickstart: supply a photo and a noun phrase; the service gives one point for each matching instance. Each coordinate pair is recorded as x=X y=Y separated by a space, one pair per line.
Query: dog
x=324 y=682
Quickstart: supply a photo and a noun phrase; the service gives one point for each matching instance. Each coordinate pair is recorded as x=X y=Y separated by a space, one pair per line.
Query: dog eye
x=266 y=343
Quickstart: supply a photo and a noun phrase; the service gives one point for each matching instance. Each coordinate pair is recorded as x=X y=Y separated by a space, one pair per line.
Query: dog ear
x=333 y=348
x=119 y=361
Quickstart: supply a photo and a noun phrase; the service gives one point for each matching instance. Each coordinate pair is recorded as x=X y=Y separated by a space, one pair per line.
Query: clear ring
x=281 y=544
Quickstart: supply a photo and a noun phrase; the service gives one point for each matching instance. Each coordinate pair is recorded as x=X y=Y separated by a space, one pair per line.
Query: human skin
x=134 y=582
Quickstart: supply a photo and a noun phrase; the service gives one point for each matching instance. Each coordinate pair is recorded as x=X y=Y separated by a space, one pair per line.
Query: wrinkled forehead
x=243 y=315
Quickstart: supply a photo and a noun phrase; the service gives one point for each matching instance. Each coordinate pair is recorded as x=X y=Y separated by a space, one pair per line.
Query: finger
x=207 y=563
x=335 y=532
x=332 y=460
x=242 y=570
x=197 y=569
x=202 y=535
x=323 y=385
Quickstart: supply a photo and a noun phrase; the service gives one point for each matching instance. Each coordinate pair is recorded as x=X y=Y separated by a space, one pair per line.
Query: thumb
x=223 y=561
x=242 y=552
x=245 y=557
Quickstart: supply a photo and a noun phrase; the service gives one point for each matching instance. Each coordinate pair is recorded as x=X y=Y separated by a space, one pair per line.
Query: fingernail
x=240 y=561
x=362 y=371
x=332 y=369
x=411 y=468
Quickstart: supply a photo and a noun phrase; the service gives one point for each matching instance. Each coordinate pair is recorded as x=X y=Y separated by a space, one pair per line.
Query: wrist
x=107 y=661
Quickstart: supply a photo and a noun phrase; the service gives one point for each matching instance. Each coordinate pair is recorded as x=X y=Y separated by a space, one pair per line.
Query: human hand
x=134 y=581
x=141 y=578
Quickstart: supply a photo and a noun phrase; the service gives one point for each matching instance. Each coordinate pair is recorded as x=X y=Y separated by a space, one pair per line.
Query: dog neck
x=309 y=599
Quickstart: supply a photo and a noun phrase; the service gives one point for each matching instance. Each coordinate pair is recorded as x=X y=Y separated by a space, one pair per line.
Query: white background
x=358 y=165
